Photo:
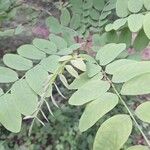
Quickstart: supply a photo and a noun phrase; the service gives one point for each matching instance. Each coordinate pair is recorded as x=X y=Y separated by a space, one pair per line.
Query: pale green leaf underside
x=113 y=133
x=97 y=109
x=143 y=112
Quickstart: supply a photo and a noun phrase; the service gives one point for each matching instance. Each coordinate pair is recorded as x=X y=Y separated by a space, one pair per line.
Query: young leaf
x=63 y=80
x=65 y=17
x=97 y=109
x=24 y=97
x=132 y=87
x=7 y=75
x=45 y=46
x=72 y=71
x=89 y=91
x=109 y=52
x=113 y=132
x=17 y=62
x=31 y=52
x=135 y=22
x=10 y=117
x=143 y=112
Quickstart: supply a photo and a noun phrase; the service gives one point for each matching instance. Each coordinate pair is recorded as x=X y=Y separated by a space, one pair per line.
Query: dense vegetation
x=92 y=54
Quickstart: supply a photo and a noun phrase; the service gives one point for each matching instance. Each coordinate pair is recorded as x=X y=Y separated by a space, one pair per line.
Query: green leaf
x=92 y=69
x=135 y=5
x=146 y=25
x=10 y=117
x=122 y=8
x=147 y=4
x=113 y=133
x=143 y=112
x=65 y=17
x=36 y=78
x=53 y=24
x=17 y=62
x=24 y=97
x=132 y=87
x=83 y=79
x=96 y=110
x=129 y=71
x=135 y=22
x=7 y=75
x=31 y=52
x=45 y=45
x=72 y=71
x=117 y=65
x=138 y=147
x=50 y=63
x=98 y=4
x=141 y=41
x=59 y=41
x=89 y=91
x=109 y=52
